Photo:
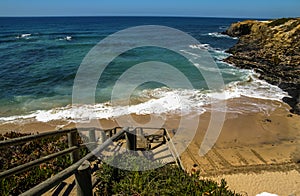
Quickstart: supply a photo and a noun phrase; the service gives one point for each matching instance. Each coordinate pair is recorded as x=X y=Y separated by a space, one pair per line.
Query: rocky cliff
x=271 y=48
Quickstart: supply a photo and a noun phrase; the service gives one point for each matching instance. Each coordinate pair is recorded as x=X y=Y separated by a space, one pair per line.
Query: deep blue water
x=39 y=57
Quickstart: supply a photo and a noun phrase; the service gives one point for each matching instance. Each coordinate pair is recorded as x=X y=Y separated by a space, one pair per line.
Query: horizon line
x=171 y=16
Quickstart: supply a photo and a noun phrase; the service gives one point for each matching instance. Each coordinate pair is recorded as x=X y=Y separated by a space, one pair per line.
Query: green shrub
x=278 y=22
x=166 y=180
x=13 y=156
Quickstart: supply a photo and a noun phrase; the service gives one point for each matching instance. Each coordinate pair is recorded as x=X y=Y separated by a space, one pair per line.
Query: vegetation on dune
x=166 y=180
x=278 y=22
x=24 y=153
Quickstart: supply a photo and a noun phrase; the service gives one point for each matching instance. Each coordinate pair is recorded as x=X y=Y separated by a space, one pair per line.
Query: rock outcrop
x=271 y=48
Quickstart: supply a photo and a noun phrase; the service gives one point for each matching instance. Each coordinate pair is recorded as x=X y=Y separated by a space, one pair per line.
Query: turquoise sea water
x=39 y=58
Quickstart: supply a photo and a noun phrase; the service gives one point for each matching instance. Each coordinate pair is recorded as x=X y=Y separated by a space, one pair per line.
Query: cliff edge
x=272 y=49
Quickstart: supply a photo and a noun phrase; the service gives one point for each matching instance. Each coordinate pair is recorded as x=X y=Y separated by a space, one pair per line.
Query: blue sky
x=210 y=8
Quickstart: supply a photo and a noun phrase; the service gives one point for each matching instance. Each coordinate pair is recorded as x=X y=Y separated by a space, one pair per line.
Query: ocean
x=40 y=56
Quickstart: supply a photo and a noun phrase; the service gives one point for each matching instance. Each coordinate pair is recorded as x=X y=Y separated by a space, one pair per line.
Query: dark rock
x=273 y=50
x=239 y=29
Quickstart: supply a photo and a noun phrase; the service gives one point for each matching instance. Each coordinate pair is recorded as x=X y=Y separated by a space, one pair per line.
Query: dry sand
x=255 y=152
x=281 y=183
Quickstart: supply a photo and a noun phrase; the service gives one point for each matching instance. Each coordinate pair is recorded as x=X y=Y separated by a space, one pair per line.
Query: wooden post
x=92 y=138
x=72 y=141
x=84 y=180
x=141 y=140
x=165 y=136
x=92 y=135
x=131 y=140
x=139 y=132
x=102 y=137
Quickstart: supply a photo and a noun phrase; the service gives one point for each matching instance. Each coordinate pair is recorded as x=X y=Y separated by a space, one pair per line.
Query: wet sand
x=255 y=152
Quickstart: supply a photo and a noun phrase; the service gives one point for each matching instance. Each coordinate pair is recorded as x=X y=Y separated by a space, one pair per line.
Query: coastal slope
x=272 y=49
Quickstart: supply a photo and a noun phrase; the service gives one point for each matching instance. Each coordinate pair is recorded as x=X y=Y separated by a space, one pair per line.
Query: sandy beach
x=256 y=151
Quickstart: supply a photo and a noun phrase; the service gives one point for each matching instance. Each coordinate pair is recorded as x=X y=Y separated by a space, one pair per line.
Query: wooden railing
x=166 y=140
x=173 y=149
x=73 y=150
x=80 y=167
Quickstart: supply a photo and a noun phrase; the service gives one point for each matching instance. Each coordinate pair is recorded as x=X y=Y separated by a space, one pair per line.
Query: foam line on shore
x=160 y=101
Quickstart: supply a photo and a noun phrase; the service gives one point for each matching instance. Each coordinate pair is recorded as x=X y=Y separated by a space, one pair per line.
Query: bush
x=19 y=154
x=278 y=22
x=166 y=180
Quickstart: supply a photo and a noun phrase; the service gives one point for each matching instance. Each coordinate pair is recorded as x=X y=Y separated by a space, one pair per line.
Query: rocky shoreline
x=272 y=49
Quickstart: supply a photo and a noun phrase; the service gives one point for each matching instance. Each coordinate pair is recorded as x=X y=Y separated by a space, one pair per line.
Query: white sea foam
x=67 y=38
x=209 y=48
x=165 y=100
x=27 y=35
x=220 y=35
x=200 y=46
x=223 y=27
x=162 y=101
x=250 y=86
x=257 y=89
x=220 y=55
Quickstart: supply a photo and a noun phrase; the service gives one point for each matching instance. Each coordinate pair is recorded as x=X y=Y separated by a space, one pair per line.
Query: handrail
x=36 y=162
x=169 y=140
x=27 y=166
x=24 y=139
x=46 y=185
x=172 y=152
x=171 y=147
x=51 y=182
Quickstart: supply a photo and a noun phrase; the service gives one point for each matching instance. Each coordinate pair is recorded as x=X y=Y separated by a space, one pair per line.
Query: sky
x=198 y=8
